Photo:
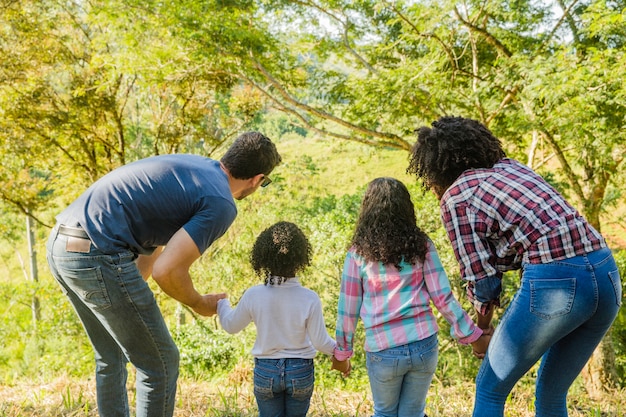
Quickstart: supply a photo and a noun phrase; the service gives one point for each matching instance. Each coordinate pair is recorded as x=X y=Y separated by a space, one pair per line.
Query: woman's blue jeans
x=124 y=324
x=400 y=377
x=560 y=314
x=283 y=387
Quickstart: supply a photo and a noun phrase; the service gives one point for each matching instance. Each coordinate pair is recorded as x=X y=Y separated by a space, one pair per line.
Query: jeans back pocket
x=617 y=285
x=88 y=284
x=263 y=386
x=302 y=387
x=551 y=298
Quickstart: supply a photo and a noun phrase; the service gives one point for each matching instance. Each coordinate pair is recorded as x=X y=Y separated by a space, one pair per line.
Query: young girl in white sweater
x=289 y=322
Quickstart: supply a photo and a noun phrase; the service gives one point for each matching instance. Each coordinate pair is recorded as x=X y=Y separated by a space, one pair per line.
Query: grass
x=39 y=382
x=231 y=396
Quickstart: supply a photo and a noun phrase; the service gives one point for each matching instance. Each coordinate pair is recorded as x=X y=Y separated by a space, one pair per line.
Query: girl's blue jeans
x=123 y=323
x=560 y=314
x=400 y=377
x=283 y=387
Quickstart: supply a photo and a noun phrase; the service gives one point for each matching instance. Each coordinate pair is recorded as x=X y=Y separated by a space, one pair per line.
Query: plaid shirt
x=394 y=305
x=501 y=217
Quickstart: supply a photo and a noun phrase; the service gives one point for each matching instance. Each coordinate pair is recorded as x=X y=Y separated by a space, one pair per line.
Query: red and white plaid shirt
x=501 y=217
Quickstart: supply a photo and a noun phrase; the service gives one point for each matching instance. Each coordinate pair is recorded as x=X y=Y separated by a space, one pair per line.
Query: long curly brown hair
x=452 y=145
x=386 y=230
x=281 y=250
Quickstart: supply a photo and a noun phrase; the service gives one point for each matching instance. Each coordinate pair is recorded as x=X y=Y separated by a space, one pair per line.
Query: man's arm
x=171 y=272
x=146 y=262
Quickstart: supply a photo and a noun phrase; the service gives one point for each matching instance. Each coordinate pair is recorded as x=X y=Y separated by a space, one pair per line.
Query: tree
x=377 y=70
x=89 y=85
x=531 y=71
x=371 y=71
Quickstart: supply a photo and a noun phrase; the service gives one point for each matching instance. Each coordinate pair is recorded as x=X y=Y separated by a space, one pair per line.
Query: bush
x=204 y=351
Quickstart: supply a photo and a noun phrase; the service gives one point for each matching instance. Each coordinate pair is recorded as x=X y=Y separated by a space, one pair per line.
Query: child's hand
x=479 y=347
x=342 y=366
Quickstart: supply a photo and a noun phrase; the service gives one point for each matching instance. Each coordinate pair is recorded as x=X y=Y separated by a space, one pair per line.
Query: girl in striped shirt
x=391 y=274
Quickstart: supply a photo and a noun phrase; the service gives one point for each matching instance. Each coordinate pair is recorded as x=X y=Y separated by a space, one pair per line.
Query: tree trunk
x=32 y=256
x=600 y=373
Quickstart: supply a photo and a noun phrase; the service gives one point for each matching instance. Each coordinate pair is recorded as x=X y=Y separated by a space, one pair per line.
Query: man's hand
x=207 y=304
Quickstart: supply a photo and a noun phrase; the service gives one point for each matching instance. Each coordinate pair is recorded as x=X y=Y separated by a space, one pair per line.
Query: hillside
x=48 y=371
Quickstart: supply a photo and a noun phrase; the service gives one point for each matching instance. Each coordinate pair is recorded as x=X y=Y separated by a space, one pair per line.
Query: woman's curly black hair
x=452 y=145
x=281 y=250
x=386 y=230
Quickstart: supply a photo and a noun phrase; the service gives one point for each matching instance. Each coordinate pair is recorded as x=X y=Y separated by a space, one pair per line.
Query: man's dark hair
x=251 y=154
x=281 y=250
x=452 y=145
x=386 y=230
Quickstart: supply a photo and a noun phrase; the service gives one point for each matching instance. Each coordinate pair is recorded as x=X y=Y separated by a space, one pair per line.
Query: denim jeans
x=560 y=314
x=400 y=377
x=283 y=387
x=123 y=323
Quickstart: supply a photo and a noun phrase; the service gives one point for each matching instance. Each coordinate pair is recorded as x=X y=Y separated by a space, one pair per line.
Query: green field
x=46 y=366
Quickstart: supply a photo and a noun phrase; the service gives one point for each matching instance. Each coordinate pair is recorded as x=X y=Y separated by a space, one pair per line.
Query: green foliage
x=41 y=348
x=204 y=352
x=87 y=86
x=619 y=326
x=278 y=125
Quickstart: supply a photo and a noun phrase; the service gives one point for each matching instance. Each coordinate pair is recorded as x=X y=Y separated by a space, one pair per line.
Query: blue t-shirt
x=141 y=205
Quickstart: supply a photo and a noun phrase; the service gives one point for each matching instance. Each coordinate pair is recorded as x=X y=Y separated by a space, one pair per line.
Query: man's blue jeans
x=560 y=313
x=283 y=387
x=124 y=323
x=400 y=377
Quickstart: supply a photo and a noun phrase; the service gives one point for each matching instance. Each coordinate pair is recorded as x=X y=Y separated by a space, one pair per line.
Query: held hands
x=479 y=347
x=488 y=330
x=342 y=366
x=207 y=304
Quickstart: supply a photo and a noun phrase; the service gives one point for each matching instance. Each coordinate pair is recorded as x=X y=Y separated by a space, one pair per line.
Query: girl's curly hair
x=452 y=145
x=386 y=230
x=280 y=250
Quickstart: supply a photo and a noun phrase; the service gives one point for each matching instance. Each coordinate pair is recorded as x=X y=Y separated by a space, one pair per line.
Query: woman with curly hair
x=391 y=274
x=289 y=322
x=501 y=216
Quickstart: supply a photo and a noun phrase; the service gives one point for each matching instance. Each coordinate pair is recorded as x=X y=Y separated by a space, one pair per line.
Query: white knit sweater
x=288 y=319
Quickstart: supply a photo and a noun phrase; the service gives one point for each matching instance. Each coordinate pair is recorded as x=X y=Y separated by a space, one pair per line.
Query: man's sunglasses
x=266 y=181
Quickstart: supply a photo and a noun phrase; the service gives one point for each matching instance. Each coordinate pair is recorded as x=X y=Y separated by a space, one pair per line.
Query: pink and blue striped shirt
x=394 y=305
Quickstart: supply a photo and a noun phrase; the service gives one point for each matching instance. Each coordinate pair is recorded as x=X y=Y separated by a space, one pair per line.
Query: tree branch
x=491 y=40
x=386 y=139
x=449 y=52
x=345 y=32
x=570 y=21
x=569 y=172
x=22 y=208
